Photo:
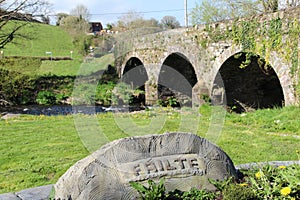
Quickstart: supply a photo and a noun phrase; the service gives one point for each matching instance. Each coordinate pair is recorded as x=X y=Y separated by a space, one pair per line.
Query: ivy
x=275 y=33
x=261 y=38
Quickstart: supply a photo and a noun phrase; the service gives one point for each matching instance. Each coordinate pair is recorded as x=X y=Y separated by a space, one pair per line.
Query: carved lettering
x=159 y=165
x=137 y=169
x=180 y=162
x=151 y=168
x=194 y=163
x=188 y=164
x=167 y=165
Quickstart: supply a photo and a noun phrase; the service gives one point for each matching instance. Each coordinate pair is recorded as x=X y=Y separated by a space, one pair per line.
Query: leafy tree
x=14 y=11
x=170 y=22
x=208 y=11
x=212 y=11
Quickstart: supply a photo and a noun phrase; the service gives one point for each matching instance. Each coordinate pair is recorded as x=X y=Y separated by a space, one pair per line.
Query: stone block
x=184 y=160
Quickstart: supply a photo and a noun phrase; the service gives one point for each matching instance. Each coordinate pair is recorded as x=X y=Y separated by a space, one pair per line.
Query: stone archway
x=247 y=82
x=135 y=75
x=176 y=80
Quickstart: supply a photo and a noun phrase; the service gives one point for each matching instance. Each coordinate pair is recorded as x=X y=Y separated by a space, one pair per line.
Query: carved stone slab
x=184 y=160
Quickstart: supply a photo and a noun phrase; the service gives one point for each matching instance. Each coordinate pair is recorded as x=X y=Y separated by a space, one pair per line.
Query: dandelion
x=244 y=184
x=282 y=167
x=285 y=191
x=259 y=175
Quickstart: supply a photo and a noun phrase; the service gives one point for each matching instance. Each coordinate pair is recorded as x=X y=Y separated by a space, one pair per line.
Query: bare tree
x=18 y=13
x=288 y=3
x=134 y=20
x=81 y=11
x=74 y=25
x=170 y=22
x=60 y=17
x=270 y=5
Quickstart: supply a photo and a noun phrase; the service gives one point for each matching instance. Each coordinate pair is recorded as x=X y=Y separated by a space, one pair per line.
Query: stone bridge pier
x=163 y=74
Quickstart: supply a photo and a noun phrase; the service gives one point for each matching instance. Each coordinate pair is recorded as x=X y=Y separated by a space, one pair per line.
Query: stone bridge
x=243 y=63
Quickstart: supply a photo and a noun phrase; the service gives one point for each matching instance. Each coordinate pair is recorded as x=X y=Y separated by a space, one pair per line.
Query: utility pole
x=186 y=14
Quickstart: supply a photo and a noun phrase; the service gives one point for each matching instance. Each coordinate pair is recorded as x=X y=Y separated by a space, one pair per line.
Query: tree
x=133 y=20
x=288 y=3
x=170 y=22
x=270 y=5
x=60 y=17
x=17 y=13
x=74 y=25
x=209 y=11
x=212 y=11
x=130 y=20
x=81 y=12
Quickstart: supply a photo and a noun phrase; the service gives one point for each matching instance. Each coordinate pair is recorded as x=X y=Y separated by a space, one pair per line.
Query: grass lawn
x=37 y=150
x=75 y=67
x=38 y=39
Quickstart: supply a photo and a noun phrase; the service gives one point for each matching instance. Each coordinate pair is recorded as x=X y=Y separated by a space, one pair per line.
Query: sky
x=108 y=11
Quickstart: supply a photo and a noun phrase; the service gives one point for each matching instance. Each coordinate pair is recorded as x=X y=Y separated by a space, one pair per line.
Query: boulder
x=184 y=160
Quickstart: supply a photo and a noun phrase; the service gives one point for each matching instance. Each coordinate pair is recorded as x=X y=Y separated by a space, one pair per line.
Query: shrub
x=195 y=194
x=123 y=94
x=84 y=94
x=104 y=93
x=16 y=88
x=46 y=98
x=153 y=191
x=238 y=192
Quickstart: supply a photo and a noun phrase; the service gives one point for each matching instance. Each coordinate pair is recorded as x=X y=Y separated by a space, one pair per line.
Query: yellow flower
x=282 y=167
x=259 y=175
x=243 y=184
x=293 y=198
x=285 y=191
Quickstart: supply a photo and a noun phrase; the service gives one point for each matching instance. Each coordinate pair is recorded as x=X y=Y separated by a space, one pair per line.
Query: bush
x=84 y=94
x=238 y=192
x=123 y=94
x=104 y=93
x=153 y=191
x=24 y=65
x=46 y=98
x=16 y=87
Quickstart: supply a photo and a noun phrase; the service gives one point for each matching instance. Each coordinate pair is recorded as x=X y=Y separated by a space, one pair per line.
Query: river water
x=62 y=110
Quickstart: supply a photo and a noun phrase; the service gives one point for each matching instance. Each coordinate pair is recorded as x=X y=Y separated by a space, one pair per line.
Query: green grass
x=75 y=67
x=37 y=150
x=42 y=38
x=59 y=68
x=39 y=39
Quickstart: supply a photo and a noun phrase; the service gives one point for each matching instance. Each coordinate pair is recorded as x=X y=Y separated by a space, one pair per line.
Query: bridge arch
x=257 y=84
x=134 y=74
x=176 y=80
